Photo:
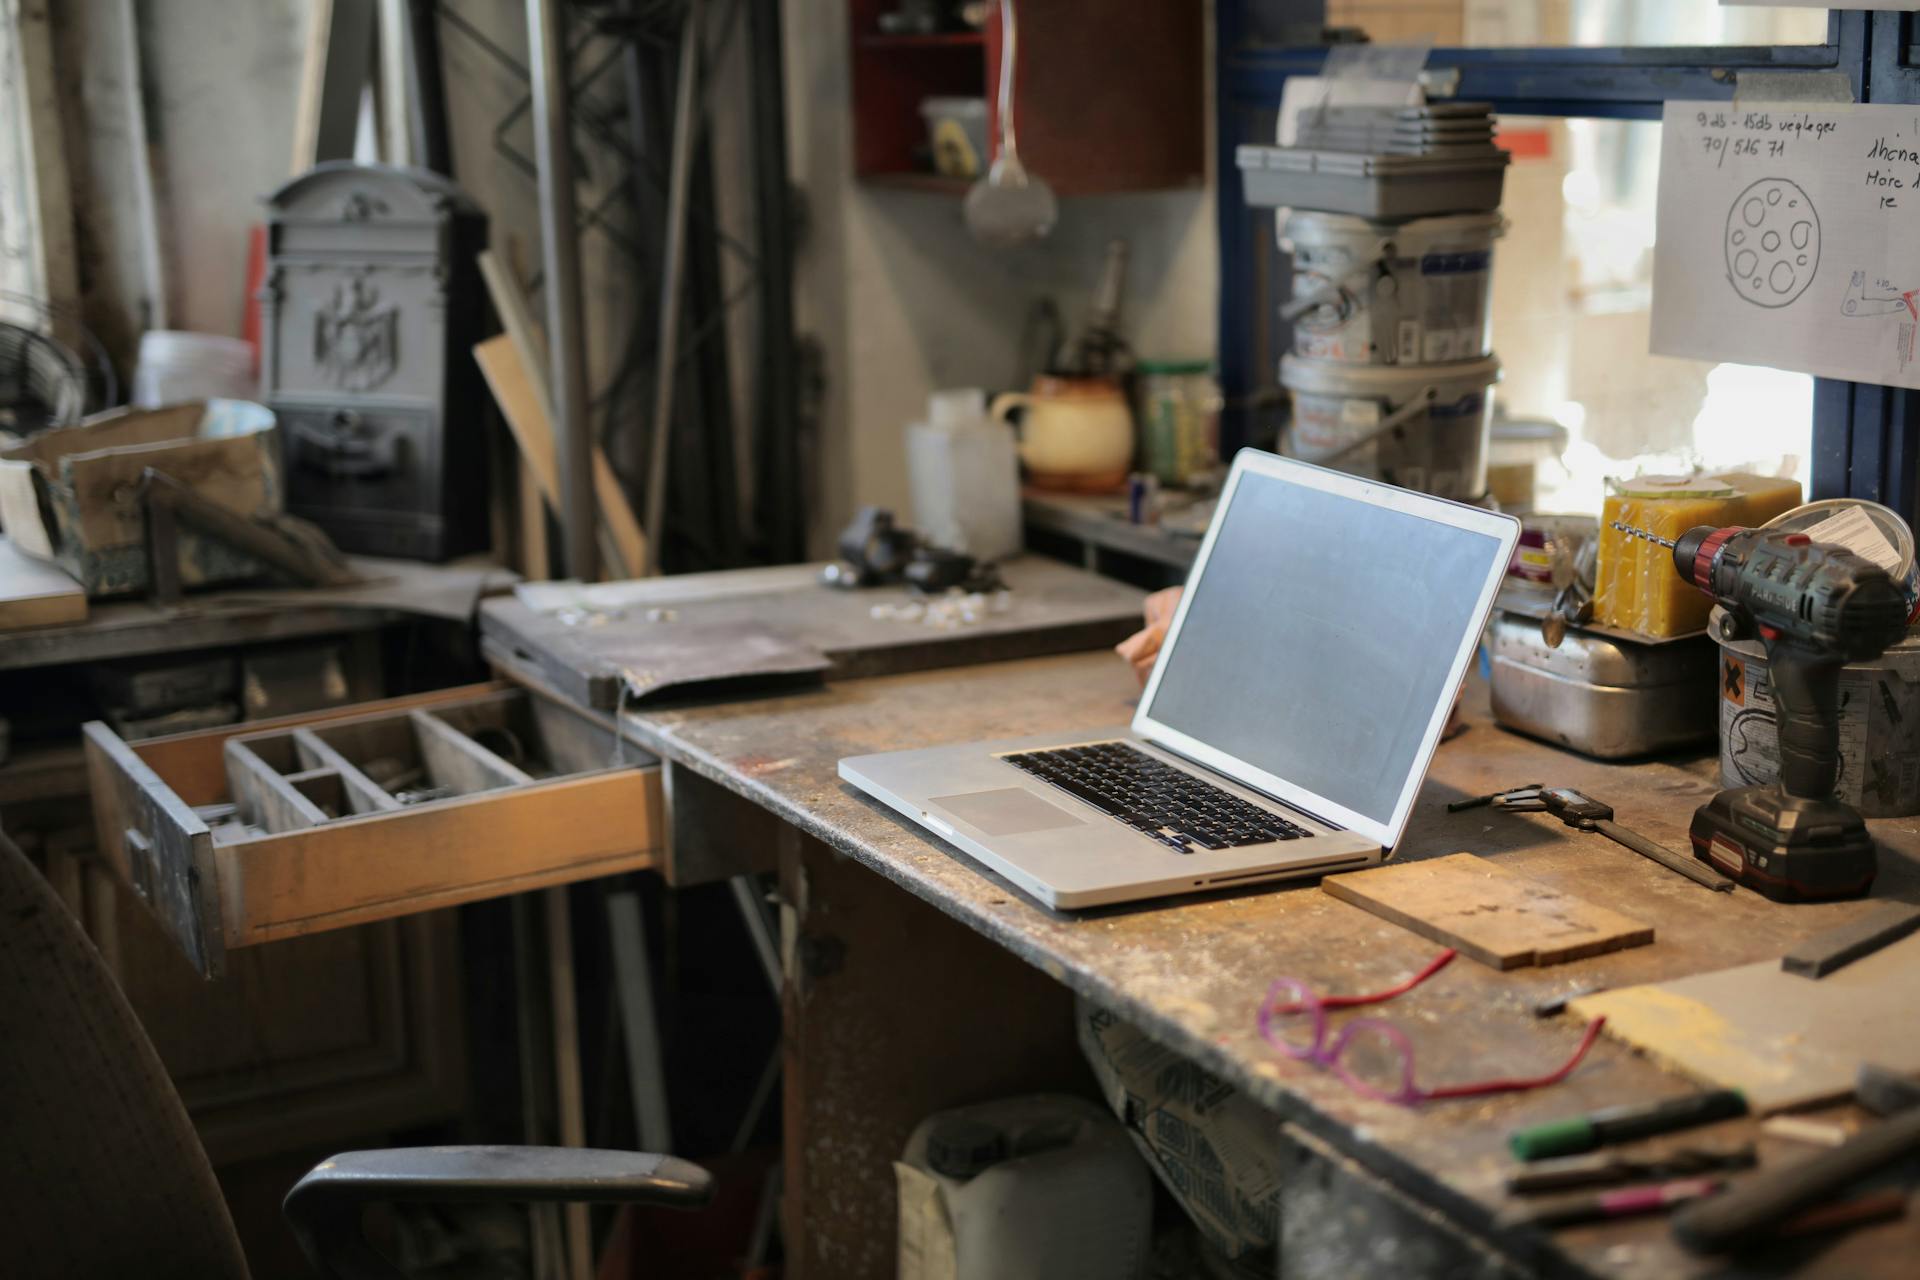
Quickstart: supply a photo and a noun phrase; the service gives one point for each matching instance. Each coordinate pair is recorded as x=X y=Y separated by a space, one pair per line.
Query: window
x=1582 y=71
x=1573 y=291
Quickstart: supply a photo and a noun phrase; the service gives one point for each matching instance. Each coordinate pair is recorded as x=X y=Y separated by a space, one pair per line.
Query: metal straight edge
x=560 y=255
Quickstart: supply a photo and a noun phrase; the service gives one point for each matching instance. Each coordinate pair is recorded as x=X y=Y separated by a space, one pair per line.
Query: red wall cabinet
x=1109 y=97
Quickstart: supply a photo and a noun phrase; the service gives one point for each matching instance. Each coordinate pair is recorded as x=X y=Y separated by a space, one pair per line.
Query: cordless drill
x=1815 y=607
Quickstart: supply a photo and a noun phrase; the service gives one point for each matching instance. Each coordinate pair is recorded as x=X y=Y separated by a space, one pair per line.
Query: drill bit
x=1632 y=532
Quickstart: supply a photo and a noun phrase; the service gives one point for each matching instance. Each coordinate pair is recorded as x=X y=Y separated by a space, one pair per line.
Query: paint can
x=1879 y=725
x=1422 y=427
x=1416 y=292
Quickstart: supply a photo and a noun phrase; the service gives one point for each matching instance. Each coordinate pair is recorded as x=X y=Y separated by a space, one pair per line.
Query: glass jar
x=1179 y=414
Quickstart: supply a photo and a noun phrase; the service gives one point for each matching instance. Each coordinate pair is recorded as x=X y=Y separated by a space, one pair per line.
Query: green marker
x=1577 y=1134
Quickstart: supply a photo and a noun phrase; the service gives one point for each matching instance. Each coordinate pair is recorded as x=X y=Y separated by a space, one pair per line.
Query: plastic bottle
x=965 y=476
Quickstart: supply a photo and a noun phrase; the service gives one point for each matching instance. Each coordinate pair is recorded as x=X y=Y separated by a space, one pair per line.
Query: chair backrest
x=101 y=1173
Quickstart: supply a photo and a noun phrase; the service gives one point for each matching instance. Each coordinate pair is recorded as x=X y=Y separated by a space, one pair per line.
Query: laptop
x=1286 y=729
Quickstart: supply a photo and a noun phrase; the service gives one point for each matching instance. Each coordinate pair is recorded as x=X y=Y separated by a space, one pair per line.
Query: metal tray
x=1371 y=186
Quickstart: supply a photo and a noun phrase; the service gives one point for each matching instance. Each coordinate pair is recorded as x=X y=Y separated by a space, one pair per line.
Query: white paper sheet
x=1790 y=236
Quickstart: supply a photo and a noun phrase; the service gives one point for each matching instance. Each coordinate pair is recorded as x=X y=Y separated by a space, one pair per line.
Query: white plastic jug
x=965 y=476
x=1045 y=1187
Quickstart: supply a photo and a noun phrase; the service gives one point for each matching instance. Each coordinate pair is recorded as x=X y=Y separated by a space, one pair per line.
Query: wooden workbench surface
x=1192 y=972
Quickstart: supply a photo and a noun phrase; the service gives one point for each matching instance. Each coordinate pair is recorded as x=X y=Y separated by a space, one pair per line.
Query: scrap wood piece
x=1501 y=918
x=530 y=345
x=1783 y=1041
x=504 y=366
x=1837 y=947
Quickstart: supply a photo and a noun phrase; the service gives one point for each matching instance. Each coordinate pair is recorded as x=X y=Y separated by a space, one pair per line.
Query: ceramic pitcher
x=1076 y=434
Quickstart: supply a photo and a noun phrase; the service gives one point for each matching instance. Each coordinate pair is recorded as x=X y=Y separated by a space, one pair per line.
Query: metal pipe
x=779 y=484
x=679 y=180
x=560 y=258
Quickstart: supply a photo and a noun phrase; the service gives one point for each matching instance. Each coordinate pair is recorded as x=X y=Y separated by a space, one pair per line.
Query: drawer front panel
x=157 y=844
x=483 y=846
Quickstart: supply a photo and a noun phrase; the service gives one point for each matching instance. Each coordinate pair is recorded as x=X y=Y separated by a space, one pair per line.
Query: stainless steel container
x=1601 y=695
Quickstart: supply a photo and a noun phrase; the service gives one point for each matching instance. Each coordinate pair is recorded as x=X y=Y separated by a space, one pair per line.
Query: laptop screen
x=1327 y=621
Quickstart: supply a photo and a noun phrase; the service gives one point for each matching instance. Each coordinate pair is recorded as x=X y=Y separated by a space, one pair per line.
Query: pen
x=1577 y=1134
x=1622 y=1203
x=1600 y=1169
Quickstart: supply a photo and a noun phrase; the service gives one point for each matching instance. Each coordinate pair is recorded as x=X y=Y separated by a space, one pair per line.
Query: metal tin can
x=1879 y=725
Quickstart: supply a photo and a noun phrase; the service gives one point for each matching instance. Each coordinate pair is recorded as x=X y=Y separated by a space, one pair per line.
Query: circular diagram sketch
x=1773 y=242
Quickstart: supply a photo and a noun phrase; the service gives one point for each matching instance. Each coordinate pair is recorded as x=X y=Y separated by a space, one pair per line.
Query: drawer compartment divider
x=364 y=795
x=268 y=798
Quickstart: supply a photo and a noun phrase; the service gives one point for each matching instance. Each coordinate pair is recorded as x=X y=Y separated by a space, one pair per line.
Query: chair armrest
x=324 y=1208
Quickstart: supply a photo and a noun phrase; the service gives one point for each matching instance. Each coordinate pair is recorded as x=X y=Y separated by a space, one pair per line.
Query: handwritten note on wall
x=1790 y=236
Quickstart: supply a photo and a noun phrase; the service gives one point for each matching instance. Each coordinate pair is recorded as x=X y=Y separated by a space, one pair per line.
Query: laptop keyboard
x=1154 y=798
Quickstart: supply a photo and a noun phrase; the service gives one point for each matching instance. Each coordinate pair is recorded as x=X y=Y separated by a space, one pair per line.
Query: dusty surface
x=1192 y=973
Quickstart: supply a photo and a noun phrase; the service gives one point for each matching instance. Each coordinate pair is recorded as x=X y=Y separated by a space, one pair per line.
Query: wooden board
x=521 y=366
x=1478 y=907
x=1055 y=608
x=1783 y=1040
x=523 y=405
x=34 y=593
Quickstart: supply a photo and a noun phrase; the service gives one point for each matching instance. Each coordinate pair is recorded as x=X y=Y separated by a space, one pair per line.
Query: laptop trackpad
x=1008 y=811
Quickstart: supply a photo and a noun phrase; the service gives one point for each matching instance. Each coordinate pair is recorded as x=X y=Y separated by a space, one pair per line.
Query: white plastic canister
x=1045 y=1187
x=1392 y=293
x=1418 y=426
x=964 y=473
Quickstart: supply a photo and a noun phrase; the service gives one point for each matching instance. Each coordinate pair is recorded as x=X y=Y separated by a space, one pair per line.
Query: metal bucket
x=1416 y=292
x=1421 y=427
x=1879 y=725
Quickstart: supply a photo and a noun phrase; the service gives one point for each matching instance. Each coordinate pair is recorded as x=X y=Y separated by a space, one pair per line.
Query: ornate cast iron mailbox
x=370 y=309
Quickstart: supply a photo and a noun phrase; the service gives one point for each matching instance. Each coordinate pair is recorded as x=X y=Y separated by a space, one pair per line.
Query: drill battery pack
x=1789 y=848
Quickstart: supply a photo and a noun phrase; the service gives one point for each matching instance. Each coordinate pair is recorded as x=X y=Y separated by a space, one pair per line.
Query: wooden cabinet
x=1109 y=98
x=324 y=1039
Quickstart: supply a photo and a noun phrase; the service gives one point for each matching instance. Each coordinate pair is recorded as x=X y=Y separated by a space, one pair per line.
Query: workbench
x=916 y=980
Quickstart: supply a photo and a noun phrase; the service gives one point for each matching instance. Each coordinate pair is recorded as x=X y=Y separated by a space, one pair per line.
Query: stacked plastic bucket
x=1392 y=367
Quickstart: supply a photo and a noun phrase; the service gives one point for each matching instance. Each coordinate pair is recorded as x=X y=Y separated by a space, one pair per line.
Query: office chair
x=102 y=1175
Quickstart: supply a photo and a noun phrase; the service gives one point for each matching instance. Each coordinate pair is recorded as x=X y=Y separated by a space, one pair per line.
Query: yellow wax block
x=1636 y=587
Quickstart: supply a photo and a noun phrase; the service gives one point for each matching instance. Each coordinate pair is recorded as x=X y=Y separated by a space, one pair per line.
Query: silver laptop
x=1286 y=729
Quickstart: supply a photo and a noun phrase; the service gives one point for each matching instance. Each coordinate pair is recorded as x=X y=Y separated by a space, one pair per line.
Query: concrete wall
x=903 y=300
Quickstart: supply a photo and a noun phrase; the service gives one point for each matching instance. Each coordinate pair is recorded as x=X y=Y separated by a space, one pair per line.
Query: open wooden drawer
x=248 y=833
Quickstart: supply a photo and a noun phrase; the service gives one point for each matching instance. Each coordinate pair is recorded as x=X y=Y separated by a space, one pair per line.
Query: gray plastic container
x=1371 y=186
x=1420 y=426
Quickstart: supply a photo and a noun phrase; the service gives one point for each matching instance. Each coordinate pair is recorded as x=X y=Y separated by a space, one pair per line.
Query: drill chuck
x=1825 y=601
